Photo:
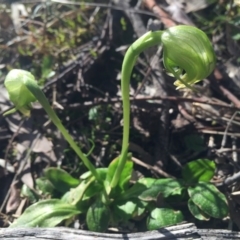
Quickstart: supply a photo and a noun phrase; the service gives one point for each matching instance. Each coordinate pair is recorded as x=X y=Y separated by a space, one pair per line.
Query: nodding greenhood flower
x=188 y=54
x=16 y=84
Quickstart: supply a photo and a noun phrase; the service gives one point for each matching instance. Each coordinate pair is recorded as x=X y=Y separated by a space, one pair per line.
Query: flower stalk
x=187 y=55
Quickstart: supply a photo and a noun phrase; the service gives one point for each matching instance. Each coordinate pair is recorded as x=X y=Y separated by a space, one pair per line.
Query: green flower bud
x=188 y=54
x=19 y=94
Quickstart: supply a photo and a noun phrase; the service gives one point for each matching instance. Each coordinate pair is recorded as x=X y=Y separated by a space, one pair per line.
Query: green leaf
x=96 y=187
x=126 y=175
x=209 y=199
x=196 y=211
x=198 y=170
x=102 y=173
x=44 y=186
x=28 y=193
x=76 y=194
x=116 y=168
x=86 y=175
x=93 y=190
x=82 y=205
x=111 y=169
x=125 y=209
x=162 y=217
x=140 y=209
x=46 y=66
x=46 y=213
x=60 y=179
x=98 y=216
x=167 y=187
x=141 y=185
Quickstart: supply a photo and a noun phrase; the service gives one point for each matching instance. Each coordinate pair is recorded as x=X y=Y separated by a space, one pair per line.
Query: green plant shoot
x=23 y=90
x=187 y=55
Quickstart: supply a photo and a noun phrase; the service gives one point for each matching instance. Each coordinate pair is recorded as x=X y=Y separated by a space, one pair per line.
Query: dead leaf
x=42 y=144
x=21 y=207
x=18 y=11
x=9 y=167
x=14 y=198
x=191 y=5
x=26 y=175
x=179 y=15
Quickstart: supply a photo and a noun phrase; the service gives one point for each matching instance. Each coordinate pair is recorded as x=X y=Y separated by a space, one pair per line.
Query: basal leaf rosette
x=188 y=54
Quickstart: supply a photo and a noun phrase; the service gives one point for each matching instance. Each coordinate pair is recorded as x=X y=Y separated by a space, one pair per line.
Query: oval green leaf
x=29 y=194
x=125 y=174
x=167 y=187
x=102 y=173
x=44 y=186
x=199 y=170
x=209 y=199
x=140 y=186
x=60 y=179
x=98 y=216
x=125 y=209
x=162 y=217
x=196 y=211
x=76 y=195
x=46 y=213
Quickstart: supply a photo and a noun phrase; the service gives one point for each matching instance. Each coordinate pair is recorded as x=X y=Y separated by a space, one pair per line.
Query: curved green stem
x=149 y=39
x=39 y=95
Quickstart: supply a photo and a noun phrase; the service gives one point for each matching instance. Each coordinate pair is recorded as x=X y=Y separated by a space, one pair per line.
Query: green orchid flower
x=187 y=54
x=21 y=97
